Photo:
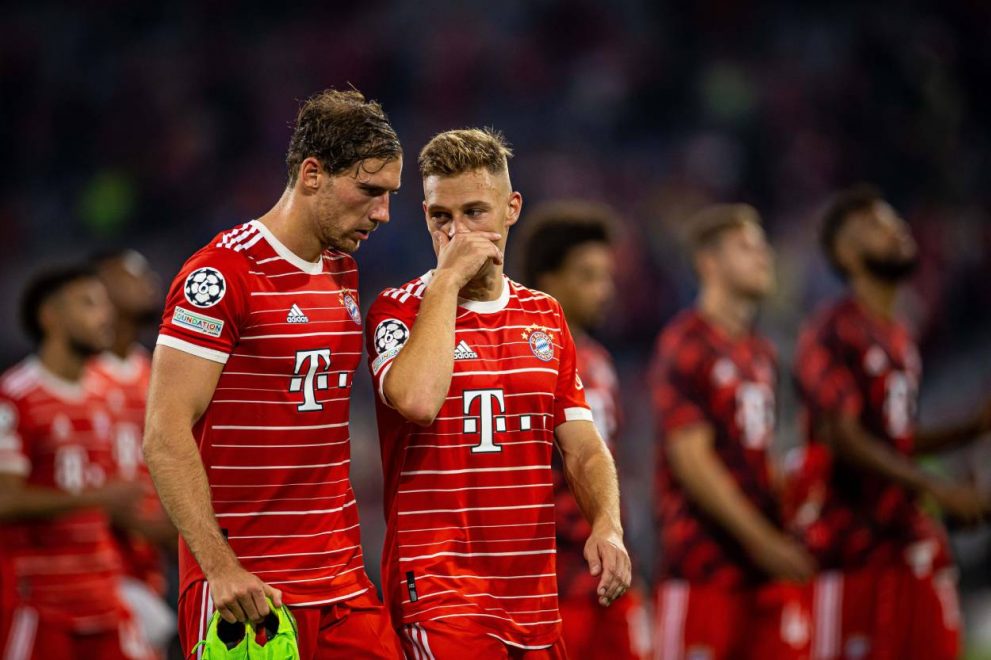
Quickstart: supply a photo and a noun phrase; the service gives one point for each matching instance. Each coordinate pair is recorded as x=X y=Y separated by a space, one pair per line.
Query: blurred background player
x=477 y=381
x=135 y=292
x=568 y=254
x=60 y=566
x=889 y=588
x=247 y=432
x=729 y=572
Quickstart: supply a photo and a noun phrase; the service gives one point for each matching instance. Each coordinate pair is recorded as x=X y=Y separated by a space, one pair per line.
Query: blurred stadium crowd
x=154 y=126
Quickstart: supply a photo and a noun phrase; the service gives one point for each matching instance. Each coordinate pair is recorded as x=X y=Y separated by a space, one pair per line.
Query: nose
x=380 y=210
x=459 y=225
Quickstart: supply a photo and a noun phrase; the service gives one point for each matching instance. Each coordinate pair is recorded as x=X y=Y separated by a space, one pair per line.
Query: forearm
x=857 y=447
x=32 y=502
x=419 y=378
x=179 y=476
x=934 y=440
x=709 y=485
x=595 y=486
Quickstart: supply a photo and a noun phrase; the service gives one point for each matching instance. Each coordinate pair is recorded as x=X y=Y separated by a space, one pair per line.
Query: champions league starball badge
x=205 y=287
x=347 y=299
x=540 y=342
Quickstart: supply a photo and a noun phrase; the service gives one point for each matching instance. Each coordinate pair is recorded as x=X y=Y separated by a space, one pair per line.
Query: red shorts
x=619 y=632
x=700 y=621
x=434 y=640
x=887 y=612
x=24 y=635
x=355 y=628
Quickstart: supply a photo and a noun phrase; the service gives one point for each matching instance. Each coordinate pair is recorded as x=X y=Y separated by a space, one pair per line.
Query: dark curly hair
x=554 y=229
x=340 y=129
x=844 y=204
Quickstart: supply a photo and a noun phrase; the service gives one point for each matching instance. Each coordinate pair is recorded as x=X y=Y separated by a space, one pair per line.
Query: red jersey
x=849 y=363
x=274 y=439
x=700 y=375
x=126 y=382
x=470 y=499
x=595 y=367
x=56 y=434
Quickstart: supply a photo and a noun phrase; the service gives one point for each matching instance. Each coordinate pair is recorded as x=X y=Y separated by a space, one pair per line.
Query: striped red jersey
x=700 y=375
x=595 y=367
x=274 y=439
x=56 y=434
x=470 y=499
x=126 y=383
x=850 y=364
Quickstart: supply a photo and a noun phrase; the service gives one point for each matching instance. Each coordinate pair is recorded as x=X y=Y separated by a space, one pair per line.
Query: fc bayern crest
x=390 y=334
x=205 y=287
x=540 y=342
x=349 y=304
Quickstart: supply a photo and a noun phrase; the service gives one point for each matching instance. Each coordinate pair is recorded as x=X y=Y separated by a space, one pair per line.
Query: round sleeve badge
x=205 y=287
x=390 y=334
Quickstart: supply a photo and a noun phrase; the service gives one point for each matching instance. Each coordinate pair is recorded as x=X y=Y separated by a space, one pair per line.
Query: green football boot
x=239 y=641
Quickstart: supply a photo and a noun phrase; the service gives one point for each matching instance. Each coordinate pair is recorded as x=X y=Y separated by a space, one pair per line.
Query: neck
x=125 y=336
x=734 y=315
x=487 y=285
x=290 y=224
x=61 y=360
x=876 y=296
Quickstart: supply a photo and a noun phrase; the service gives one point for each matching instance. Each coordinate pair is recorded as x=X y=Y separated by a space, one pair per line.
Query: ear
x=47 y=317
x=515 y=208
x=311 y=176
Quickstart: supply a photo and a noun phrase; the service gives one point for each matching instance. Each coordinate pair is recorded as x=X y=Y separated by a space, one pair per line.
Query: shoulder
x=405 y=295
x=220 y=259
x=533 y=298
x=835 y=323
x=19 y=381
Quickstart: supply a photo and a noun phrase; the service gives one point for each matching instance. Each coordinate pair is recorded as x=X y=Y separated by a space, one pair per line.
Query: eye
x=474 y=213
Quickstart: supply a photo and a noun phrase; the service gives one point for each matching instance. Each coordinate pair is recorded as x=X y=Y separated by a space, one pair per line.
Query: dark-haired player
x=568 y=254
x=247 y=430
x=477 y=384
x=888 y=589
x=59 y=565
x=729 y=571
x=134 y=291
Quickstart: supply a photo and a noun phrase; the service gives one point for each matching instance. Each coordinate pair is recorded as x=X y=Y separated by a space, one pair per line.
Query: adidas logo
x=296 y=315
x=463 y=351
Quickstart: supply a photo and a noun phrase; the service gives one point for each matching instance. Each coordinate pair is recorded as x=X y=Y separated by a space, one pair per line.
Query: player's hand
x=606 y=556
x=240 y=596
x=964 y=503
x=782 y=557
x=465 y=253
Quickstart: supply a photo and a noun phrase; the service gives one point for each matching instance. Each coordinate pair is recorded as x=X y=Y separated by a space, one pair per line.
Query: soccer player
x=59 y=565
x=568 y=254
x=247 y=429
x=888 y=589
x=134 y=292
x=729 y=572
x=476 y=383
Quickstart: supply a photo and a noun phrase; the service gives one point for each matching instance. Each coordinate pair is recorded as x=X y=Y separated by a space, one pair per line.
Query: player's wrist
x=445 y=280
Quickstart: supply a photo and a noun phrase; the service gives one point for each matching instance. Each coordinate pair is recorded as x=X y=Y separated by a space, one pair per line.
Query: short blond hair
x=709 y=224
x=455 y=152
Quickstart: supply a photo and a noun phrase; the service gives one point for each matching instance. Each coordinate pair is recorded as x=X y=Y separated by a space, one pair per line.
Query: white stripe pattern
x=827 y=610
x=673 y=608
x=20 y=642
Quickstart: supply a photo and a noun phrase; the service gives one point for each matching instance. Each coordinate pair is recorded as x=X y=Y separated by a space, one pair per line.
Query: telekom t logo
x=310 y=381
x=487 y=421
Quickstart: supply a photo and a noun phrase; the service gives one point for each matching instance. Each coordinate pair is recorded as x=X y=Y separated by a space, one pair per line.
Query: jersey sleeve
x=678 y=394
x=207 y=305
x=386 y=332
x=569 y=397
x=14 y=457
x=825 y=380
